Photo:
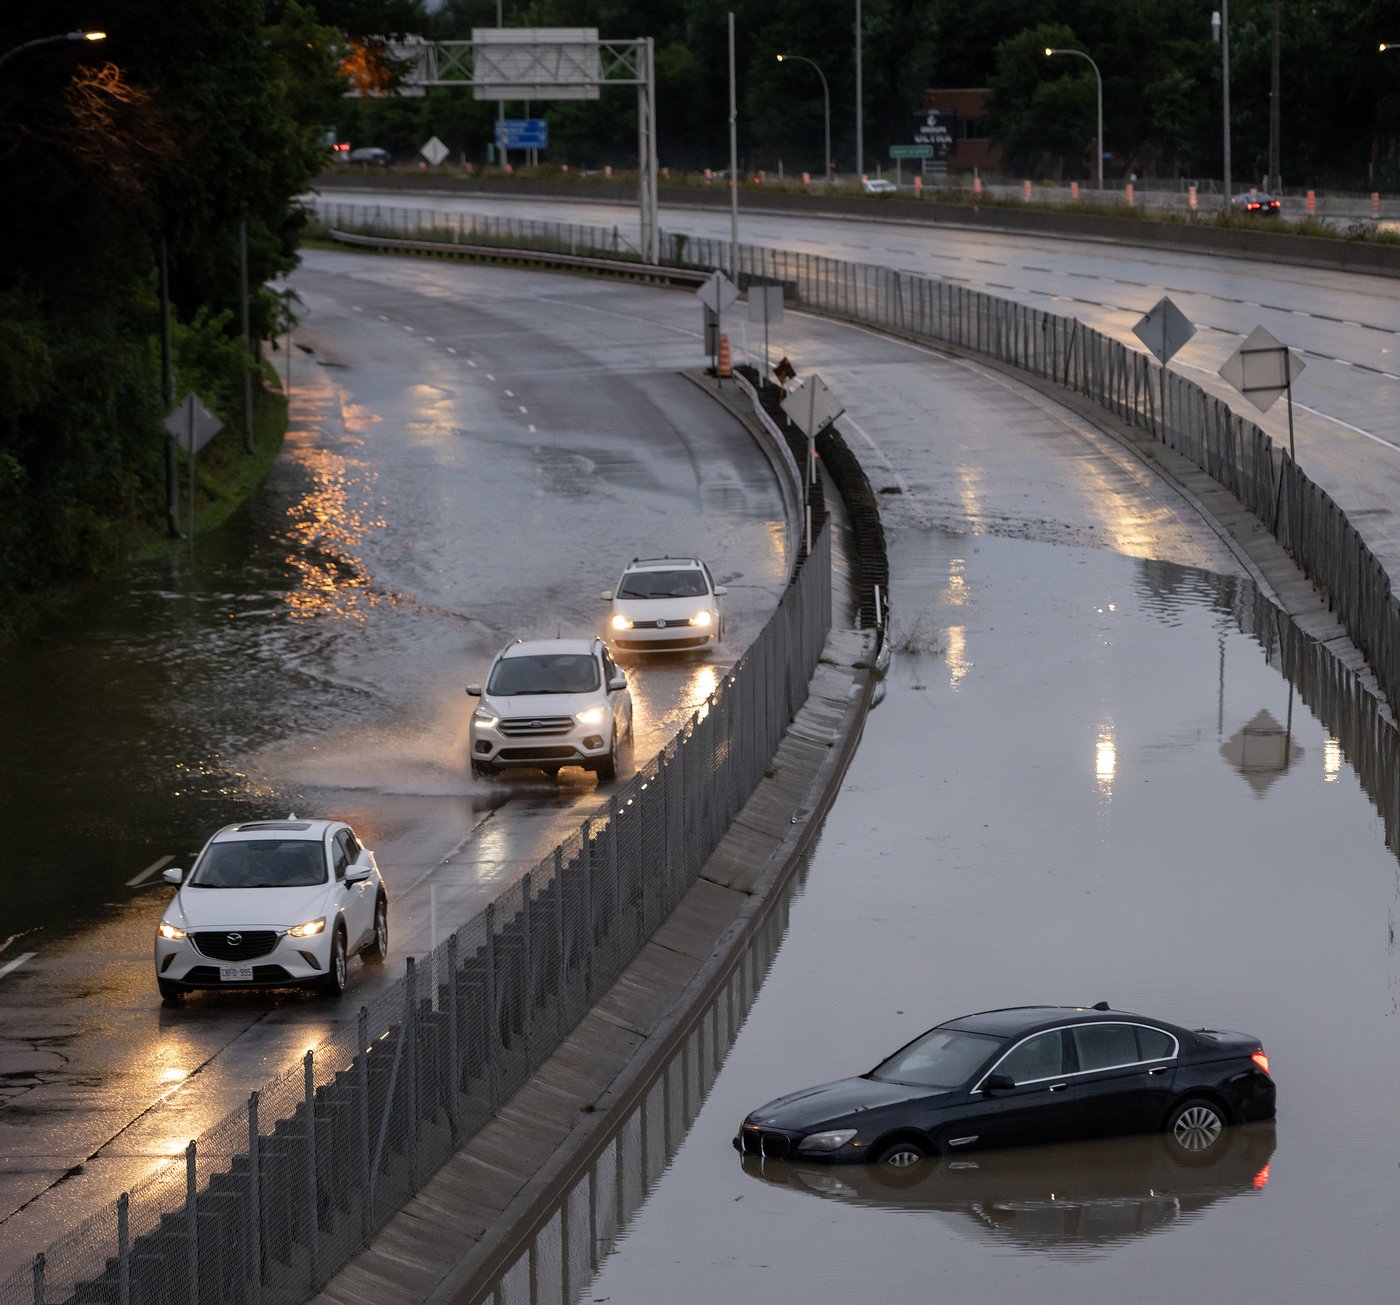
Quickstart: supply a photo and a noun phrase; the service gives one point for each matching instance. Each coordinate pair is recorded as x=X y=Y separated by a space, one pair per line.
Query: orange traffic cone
x=723 y=370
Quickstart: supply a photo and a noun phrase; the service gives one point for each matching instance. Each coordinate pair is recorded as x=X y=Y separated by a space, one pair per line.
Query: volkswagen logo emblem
x=661 y=625
x=233 y=939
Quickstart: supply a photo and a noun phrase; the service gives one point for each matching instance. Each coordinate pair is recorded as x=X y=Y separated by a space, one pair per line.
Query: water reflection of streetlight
x=1106 y=759
x=1331 y=760
x=63 y=36
x=826 y=100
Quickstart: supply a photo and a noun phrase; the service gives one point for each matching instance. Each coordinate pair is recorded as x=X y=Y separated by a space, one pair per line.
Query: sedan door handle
x=1160 y=1069
x=1057 y=1087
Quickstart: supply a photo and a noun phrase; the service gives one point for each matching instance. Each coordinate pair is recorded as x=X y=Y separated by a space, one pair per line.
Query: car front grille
x=655 y=645
x=536 y=727
x=776 y=1145
x=235 y=944
x=536 y=754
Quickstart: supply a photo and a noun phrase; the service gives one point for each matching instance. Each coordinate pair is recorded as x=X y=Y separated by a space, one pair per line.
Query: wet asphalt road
x=474 y=455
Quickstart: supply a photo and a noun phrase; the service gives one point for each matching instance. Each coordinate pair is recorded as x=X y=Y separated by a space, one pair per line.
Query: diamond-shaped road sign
x=1262 y=368
x=434 y=151
x=718 y=292
x=191 y=424
x=1164 y=330
x=811 y=406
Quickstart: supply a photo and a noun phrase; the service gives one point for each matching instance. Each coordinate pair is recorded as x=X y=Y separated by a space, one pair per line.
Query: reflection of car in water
x=1051 y=1197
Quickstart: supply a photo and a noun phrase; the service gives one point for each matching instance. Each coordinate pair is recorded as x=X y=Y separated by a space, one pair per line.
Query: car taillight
x=1260 y=1059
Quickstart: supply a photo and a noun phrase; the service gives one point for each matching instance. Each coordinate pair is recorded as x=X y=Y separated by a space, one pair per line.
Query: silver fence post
x=493 y=1016
x=313 y=1236
x=366 y=1174
x=253 y=1267
x=410 y=1050
x=529 y=967
x=454 y=1059
x=191 y=1223
x=559 y=933
x=124 y=1248
x=39 y=1262
x=587 y=950
x=615 y=883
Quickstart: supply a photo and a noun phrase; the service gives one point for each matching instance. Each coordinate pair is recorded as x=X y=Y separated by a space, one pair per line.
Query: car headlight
x=308 y=930
x=593 y=716
x=620 y=622
x=486 y=716
x=703 y=619
x=168 y=931
x=831 y=1141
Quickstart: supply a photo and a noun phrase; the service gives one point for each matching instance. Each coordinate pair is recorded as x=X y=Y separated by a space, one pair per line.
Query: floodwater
x=1090 y=780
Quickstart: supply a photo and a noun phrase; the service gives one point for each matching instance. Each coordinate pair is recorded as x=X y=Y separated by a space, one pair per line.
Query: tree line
x=134 y=165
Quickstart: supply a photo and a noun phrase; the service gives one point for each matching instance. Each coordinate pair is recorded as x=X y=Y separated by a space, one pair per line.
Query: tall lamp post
x=826 y=102
x=1220 y=24
x=1099 y=79
x=860 y=104
x=51 y=40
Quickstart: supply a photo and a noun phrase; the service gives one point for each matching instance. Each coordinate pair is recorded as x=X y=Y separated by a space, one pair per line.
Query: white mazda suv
x=273 y=904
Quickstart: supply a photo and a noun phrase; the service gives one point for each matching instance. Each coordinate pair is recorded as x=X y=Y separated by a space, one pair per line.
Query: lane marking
x=16 y=963
x=153 y=869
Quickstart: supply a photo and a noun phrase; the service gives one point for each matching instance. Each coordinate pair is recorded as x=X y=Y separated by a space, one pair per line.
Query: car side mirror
x=720 y=591
x=606 y=595
x=998 y=1083
x=357 y=873
x=618 y=681
x=174 y=875
x=474 y=690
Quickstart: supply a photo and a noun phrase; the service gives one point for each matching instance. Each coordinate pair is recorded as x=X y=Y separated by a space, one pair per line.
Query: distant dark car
x=1028 y=1074
x=1256 y=202
x=1051 y=1197
x=372 y=156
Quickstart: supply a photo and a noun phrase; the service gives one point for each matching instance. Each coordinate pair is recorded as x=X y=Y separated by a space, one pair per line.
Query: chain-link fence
x=275 y=1199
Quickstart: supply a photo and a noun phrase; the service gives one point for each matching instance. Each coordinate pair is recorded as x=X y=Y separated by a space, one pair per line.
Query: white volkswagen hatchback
x=665 y=604
x=273 y=904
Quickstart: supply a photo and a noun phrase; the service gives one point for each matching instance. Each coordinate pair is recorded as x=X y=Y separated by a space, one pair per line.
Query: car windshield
x=544 y=673
x=942 y=1058
x=261 y=863
x=662 y=584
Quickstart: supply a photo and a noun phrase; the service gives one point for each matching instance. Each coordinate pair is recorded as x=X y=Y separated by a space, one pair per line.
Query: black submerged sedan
x=1028 y=1074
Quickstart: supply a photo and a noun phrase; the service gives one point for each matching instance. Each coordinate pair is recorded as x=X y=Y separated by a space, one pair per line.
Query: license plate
x=236 y=973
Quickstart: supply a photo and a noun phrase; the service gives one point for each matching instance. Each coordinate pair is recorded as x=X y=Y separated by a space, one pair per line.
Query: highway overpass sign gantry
x=550 y=63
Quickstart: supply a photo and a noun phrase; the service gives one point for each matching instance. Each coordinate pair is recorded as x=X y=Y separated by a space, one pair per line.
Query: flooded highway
x=1090 y=780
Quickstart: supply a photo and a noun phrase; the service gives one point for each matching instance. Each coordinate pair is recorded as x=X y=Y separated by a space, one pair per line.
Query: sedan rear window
x=942 y=1058
x=265 y=863
x=662 y=584
x=544 y=673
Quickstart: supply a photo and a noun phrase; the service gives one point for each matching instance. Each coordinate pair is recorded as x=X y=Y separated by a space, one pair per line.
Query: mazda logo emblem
x=233 y=939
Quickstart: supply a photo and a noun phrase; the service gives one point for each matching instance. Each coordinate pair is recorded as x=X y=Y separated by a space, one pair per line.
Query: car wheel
x=1195 y=1125
x=378 y=950
x=171 y=993
x=901 y=1153
x=337 y=973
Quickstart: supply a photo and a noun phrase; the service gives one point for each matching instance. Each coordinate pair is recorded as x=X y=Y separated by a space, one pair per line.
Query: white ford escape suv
x=549 y=703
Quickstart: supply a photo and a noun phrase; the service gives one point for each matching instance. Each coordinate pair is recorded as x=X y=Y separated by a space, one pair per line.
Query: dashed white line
x=523 y=408
x=16 y=963
x=409 y=329
x=489 y=377
x=532 y=428
x=510 y=394
x=450 y=349
x=153 y=869
x=382 y=318
x=430 y=339
x=469 y=361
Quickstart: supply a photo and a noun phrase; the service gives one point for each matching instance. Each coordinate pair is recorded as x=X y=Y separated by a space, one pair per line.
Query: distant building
x=961 y=115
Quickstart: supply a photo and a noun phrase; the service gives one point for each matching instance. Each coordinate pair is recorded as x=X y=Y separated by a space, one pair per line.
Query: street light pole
x=860 y=104
x=826 y=103
x=51 y=40
x=1099 y=80
x=1225 y=91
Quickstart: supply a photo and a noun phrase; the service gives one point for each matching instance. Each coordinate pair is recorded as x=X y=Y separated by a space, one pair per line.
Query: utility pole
x=1275 y=182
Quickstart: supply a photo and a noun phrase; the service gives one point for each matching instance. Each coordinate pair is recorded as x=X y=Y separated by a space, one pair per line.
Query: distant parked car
x=273 y=904
x=1025 y=1075
x=1256 y=202
x=879 y=186
x=371 y=156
